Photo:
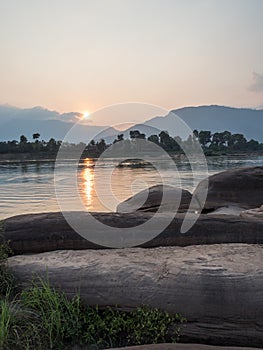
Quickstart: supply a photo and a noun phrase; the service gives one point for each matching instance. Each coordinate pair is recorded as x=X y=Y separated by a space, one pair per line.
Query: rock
x=134 y=163
x=230 y=210
x=175 y=200
x=242 y=187
x=36 y=233
x=170 y=346
x=182 y=347
x=218 y=288
x=256 y=213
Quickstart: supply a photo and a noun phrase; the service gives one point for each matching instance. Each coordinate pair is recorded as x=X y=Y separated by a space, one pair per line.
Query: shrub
x=63 y=322
x=6 y=277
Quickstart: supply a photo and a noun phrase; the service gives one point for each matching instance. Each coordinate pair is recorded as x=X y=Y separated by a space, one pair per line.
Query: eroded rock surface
x=241 y=187
x=36 y=233
x=160 y=197
x=218 y=288
x=183 y=347
x=256 y=213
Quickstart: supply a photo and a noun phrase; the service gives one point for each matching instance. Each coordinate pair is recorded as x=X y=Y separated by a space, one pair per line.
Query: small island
x=134 y=163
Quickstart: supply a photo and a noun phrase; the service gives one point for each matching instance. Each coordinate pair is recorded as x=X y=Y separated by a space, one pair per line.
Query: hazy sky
x=77 y=55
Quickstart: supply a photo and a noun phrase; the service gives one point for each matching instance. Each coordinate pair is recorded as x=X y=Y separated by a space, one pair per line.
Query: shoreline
x=27 y=157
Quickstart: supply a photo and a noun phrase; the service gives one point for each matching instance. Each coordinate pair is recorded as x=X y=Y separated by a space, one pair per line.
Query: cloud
x=257 y=85
x=70 y=117
x=8 y=113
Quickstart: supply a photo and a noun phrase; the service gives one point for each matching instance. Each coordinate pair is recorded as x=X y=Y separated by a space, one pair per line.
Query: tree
x=164 y=137
x=23 y=139
x=101 y=145
x=154 y=139
x=253 y=145
x=226 y=137
x=36 y=136
x=204 y=137
x=167 y=142
x=135 y=134
x=237 y=142
x=196 y=133
x=52 y=145
x=23 y=147
x=119 y=138
x=218 y=141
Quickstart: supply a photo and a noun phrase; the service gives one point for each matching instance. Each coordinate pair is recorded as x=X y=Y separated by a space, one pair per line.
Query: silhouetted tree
x=101 y=145
x=23 y=139
x=204 y=137
x=135 y=134
x=154 y=139
x=52 y=145
x=36 y=136
x=119 y=138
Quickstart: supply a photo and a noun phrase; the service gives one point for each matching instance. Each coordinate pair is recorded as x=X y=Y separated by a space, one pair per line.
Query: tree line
x=212 y=143
x=218 y=142
x=25 y=146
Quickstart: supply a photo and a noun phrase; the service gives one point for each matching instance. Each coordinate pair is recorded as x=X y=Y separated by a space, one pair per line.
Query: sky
x=83 y=55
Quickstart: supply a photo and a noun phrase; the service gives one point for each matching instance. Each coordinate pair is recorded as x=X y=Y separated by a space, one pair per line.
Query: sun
x=86 y=115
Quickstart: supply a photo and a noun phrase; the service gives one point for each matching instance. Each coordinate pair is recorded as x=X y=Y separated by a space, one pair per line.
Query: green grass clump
x=58 y=318
x=43 y=318
x=6 y=323
x=66 y=322
x=17 y=328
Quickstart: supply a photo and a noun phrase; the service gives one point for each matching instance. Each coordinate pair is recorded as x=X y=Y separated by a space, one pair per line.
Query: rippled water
x=28 y=187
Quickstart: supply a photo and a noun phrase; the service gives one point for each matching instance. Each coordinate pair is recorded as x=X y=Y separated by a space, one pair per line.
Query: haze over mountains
x=15 y=122
x=216 y=119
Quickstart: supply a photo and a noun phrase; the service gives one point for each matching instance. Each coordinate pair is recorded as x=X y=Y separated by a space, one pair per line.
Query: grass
x=42 y=318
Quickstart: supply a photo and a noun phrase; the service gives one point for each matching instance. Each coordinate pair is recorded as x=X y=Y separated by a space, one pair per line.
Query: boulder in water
x=164 y=198
x=241 y=187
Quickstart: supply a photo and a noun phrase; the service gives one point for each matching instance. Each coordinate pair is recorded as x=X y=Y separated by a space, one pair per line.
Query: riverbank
x=47 y=156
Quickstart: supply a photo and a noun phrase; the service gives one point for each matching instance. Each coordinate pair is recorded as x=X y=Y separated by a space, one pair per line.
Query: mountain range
x=15 y=122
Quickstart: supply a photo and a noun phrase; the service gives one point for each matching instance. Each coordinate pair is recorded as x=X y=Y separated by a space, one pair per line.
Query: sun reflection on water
x=87 y=182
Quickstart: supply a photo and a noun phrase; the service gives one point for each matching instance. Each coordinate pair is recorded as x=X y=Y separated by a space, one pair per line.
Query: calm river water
x=28 y=187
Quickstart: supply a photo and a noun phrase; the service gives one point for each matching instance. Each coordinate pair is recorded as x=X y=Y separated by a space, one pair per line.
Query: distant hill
x=15 y=122
x=214 y=118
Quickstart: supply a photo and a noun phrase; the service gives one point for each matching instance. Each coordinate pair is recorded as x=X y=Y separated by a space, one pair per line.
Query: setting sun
x=86 y=115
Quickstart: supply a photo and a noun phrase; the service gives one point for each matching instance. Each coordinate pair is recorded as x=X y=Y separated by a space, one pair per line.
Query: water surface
x=28 y=187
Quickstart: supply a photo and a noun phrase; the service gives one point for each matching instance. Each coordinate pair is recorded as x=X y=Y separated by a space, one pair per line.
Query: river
x=28 y=187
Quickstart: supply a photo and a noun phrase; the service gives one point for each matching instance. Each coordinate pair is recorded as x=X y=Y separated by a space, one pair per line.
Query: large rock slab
x=256 y=213
x=36 y=233
x=151 y=200
x=218 y=288
x=182 y=347
x=242 y=187
x=171 y=346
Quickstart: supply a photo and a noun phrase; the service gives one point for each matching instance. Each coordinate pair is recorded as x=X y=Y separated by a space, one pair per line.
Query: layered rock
x=35 y=233
x=182 y=347
x=160 y=197
x=256 y=213
x=218 y=288
x=241 y=187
